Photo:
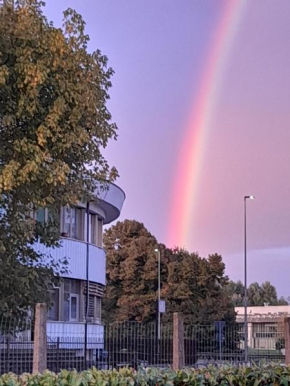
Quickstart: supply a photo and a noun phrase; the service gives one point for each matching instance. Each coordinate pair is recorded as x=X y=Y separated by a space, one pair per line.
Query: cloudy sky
x=159 y=51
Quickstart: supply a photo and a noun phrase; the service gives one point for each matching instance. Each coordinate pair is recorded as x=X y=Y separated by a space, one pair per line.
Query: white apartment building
x=66 y=318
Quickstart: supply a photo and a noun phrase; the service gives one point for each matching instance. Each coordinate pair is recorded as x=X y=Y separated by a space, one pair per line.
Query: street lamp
x=158 y=310
x=87 y=280
x=246 y=289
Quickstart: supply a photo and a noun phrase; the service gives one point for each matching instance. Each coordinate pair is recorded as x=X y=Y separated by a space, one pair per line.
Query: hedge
x=275 y=375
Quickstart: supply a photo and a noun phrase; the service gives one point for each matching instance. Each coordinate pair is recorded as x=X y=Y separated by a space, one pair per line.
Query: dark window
x=53 y=312
x=40 y=215
x=71 y=300
x=72 y=223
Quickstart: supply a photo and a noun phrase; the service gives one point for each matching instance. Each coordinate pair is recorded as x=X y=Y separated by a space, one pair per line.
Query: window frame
x=77 y=297
x=58 y=308
x=93 y=228
x=78 y=223
x=100 y=232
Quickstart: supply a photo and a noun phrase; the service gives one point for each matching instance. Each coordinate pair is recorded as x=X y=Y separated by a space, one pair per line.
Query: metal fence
x=205 y=344
x=123 y=344
x=134 y=344
x=266 y=342
x=16 y=345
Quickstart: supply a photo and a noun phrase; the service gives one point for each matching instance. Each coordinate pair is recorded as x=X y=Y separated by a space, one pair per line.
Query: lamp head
x=250 y=197
x=156 y=250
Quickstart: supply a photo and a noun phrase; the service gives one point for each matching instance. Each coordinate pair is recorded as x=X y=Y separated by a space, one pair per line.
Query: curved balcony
x=111 y=201
x=75 y=252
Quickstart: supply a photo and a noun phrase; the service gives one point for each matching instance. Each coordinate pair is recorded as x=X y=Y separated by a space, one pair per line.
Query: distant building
x=265 y=325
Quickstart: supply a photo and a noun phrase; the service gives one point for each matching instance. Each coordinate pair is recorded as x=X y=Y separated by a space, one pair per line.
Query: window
x=40 y=215
x=72 y=223
x=98 y=308
x=96 y=230
x=74 y=307
x=71 y=300
x=100 y=232
x=94 y=311
x=95 y=301
x=45 y=215
x=53 y=312
x=93 y=230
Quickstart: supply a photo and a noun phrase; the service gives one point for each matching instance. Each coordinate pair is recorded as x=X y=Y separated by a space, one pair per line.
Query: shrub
x=263 y=375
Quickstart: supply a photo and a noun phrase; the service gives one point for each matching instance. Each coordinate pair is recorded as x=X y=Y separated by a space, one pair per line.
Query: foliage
x=263 y=375
x=53 y=125
x=131 y=289
x=194 y=287
x=189 y=284
x=258 y=295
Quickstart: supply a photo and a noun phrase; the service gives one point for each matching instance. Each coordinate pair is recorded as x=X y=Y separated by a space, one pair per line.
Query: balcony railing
x=75 y=251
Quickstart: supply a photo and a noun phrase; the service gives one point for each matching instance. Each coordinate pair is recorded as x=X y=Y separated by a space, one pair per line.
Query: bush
x=275 y=375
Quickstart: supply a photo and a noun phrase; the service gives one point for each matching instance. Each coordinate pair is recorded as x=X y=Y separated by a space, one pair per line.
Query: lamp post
x=245 y=268
x=87 y=280
x=158 y=309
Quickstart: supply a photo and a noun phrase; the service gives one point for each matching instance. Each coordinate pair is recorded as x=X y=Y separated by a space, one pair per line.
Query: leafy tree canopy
x=258 y=294
x=54 y=124
x=189 y=284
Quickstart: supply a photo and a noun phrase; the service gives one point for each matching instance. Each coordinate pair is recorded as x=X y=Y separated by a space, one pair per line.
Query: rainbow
x=185 y=193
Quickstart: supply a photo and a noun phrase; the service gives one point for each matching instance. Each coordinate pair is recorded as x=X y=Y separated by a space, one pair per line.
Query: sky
x=159 y=51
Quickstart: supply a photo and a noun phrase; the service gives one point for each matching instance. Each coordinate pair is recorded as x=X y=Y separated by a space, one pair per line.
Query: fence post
x=178 y=341
x=287 y=339
x=40 y=342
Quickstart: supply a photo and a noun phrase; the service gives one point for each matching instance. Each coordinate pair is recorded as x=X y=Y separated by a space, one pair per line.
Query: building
x=265 y=325
x=66 y=318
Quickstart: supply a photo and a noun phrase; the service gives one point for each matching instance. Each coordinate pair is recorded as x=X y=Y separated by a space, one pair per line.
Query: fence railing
x=16 y=344
x=206 y=344
x=134 y=344
x=122 y=344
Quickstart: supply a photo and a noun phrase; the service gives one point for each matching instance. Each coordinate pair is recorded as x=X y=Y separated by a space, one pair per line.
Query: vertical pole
x=286 y=330
x=159 y=297
x=220 y=340
x=40 y=342
x=88 y=282
x=178 y=342
x=158 y=319
x=246 y=289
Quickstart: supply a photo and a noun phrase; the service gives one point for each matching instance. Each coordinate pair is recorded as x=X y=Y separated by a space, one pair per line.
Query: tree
x=131 y=289
x=189 y=284
x=194 y=287
x=258 y=295
x=235 y=291
x=269 y=295
x=54 y=124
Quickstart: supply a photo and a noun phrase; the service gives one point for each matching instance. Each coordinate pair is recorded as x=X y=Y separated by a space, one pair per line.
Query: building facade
x=265 y=326
x=86 y=263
